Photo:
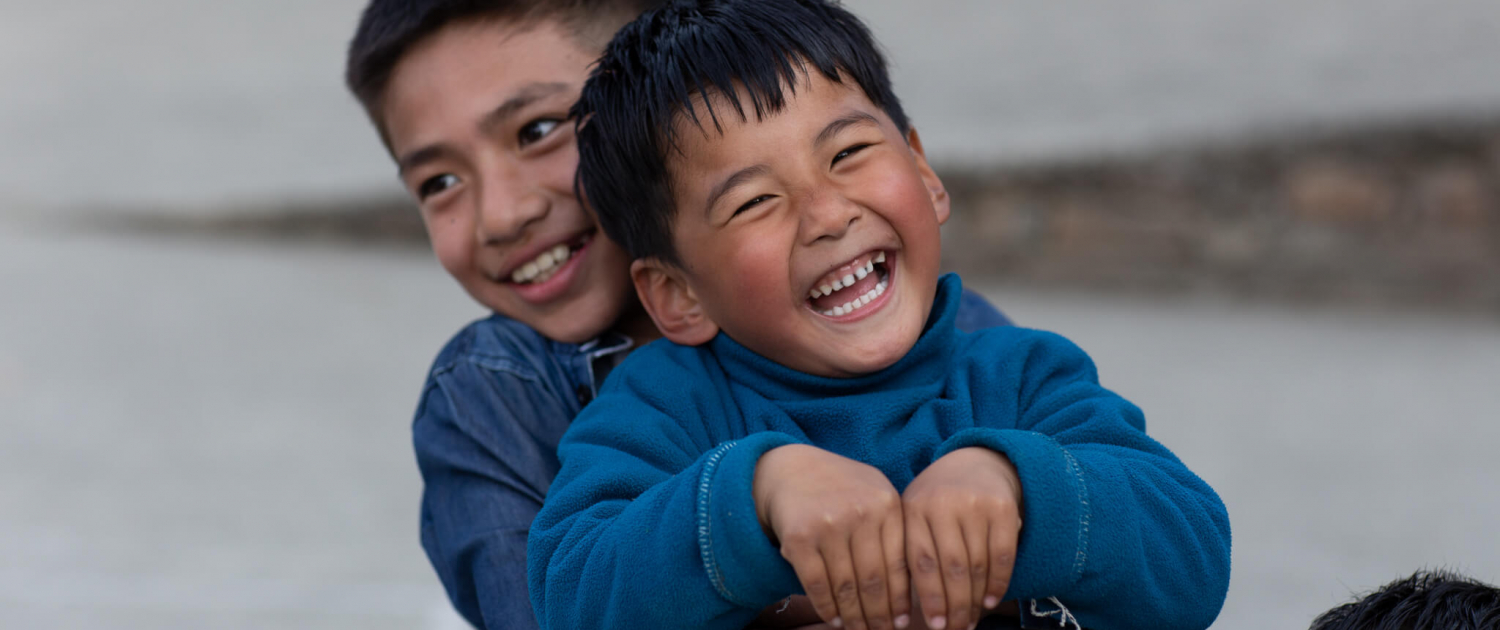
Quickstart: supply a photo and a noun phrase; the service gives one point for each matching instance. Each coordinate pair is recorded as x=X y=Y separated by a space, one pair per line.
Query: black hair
x=655 y=69
x=388 y=29
x=1437 y=600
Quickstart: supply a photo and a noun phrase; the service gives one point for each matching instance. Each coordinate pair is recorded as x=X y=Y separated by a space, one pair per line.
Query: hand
x=963 y=520
x=839 y=524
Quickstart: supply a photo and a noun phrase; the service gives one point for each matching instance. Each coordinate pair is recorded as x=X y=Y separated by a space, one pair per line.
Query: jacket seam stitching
x=1081 y=557
x=705 y=523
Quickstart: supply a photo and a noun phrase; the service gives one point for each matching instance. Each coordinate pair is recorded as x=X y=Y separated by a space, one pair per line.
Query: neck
x=636 y=323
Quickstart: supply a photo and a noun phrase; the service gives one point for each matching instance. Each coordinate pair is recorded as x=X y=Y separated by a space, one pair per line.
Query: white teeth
x=814 y=294
x=870 y=267
x=860 y=273
x=542 y=267
x=827 y=289
x=848 y=280
x=838 y=311
x=838 y=285
x=880 y=258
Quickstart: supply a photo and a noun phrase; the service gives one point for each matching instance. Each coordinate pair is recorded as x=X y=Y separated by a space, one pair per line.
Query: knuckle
x=978 y=569
x=817 y=591
x=957 y=568
x=872 y=584
x=926 y=563
x=899 y=565
x=846 y=591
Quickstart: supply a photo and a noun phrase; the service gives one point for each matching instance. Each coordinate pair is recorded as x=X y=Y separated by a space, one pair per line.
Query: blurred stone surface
x=1341 y=193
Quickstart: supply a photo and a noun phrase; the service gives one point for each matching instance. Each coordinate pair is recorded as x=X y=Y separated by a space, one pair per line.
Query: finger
x=870 y=570
x=813 y=574
x=926 y=578
x=844 y=581
x=893 y=538
x=1004 y=535
x=953 y=559
x=976 y=531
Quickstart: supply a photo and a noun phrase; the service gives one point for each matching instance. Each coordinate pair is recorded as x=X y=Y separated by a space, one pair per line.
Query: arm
x=485 y=443
x=1114 y=526
x=652 y=524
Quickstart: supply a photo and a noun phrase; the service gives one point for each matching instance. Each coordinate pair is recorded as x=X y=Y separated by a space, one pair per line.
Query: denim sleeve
x=976 y=313
x=486 y=442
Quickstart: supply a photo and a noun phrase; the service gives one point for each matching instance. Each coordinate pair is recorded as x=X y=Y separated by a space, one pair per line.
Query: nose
x=507 y=205
x=828 y=215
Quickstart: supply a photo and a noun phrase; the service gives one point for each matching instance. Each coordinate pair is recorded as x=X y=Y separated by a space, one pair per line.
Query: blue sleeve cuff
x=740 y=560
x=1053 y=548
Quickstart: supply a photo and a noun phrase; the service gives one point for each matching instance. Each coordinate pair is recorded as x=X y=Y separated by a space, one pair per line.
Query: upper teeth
x=848 y=280
x=859 y=302
x=543 y=266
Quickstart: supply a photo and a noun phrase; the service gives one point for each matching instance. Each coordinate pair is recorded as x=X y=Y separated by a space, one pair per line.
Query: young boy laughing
x=471 y=98
x=817 y=423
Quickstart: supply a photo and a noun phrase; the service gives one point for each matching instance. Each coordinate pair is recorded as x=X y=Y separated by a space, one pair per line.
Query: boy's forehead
x=706 y=123
x=467 y=69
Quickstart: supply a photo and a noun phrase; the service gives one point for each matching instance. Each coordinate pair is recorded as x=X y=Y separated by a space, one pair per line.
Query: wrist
x=766 y=479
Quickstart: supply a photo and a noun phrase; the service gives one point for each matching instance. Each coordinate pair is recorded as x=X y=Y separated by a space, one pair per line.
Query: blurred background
x=1275 y=224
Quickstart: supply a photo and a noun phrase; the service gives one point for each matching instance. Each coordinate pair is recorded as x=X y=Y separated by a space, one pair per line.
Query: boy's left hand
x=963 y=521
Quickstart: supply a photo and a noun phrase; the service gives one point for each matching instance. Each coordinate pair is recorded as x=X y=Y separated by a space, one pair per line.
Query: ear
x=940 y=200
x=672 y=304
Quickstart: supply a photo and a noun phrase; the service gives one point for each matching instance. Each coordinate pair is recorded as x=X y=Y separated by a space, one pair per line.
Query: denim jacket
x=496 y=402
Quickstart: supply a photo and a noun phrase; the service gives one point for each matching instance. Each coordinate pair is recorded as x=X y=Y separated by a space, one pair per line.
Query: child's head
x=1424 y=601
x=471 y=98
x=751 y=156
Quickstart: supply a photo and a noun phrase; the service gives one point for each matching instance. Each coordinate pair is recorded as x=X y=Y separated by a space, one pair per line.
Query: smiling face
x=810 y=237
x=476 y=116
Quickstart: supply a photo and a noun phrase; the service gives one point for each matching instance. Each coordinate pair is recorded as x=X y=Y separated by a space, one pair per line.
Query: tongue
x=847 y=294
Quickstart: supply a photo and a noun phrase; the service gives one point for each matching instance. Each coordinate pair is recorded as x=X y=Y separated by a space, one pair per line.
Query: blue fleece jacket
x=651 y=522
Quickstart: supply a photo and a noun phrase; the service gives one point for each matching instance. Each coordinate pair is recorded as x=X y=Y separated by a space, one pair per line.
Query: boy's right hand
x=839 y=524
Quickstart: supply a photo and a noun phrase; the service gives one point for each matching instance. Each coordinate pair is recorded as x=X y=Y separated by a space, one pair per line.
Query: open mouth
x=550 y=261
x=852 y=287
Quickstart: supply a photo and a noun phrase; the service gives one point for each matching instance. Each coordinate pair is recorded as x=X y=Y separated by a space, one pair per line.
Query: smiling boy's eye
x=750 y=204
x=535 y=130
x=434 y=185
x=849 y=151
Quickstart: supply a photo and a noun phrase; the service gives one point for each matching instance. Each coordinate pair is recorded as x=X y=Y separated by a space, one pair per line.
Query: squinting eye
x=750 y=204
x=435 y=185
x=849 y=151
x=536 y=130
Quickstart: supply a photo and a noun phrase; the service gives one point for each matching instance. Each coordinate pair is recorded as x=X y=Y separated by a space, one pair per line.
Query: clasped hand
x=863 y=552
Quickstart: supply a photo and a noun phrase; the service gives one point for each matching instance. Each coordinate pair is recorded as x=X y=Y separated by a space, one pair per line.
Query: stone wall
x=1406 y=216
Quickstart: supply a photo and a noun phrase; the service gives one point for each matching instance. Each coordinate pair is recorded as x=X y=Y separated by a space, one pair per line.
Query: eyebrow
x=528 y=94
x=730 y=183
x=843 y=122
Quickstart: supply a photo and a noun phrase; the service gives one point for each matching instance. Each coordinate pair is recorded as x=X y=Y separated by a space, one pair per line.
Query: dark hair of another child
x=1437 y=600
x=690 y=50
x=388 y=29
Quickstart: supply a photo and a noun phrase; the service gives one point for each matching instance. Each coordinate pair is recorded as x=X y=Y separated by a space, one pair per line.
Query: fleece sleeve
x=651 y=524
x=1115 y=527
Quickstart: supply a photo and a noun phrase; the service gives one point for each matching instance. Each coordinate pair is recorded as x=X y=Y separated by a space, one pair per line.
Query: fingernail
x=938 y=623
x=991 y=601
x=838 y=622
x=902 y=621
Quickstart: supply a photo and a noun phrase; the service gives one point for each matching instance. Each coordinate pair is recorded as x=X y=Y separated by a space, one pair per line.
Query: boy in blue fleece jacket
x=819 y=426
